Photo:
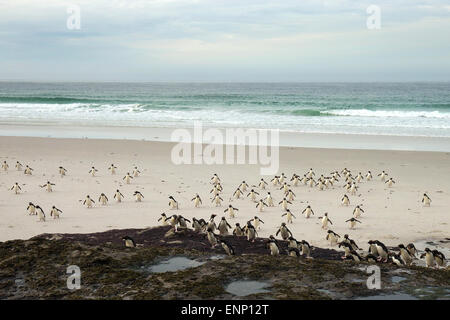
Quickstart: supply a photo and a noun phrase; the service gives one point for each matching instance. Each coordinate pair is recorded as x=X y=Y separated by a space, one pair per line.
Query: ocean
x=401 y=109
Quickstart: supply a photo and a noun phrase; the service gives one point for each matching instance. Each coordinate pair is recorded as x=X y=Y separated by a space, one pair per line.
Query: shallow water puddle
x=175 y=264
x=244 y=288
x=397 y=279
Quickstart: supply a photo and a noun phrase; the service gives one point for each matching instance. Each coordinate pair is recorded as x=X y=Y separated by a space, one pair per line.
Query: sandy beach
x=392 y=215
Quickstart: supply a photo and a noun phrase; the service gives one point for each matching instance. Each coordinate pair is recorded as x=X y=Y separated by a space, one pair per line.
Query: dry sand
x=392 y=215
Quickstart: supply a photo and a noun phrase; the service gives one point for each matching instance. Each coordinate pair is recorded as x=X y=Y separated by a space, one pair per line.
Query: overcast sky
x=225 y=40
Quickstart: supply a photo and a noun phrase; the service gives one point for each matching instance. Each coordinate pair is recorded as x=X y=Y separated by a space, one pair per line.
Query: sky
x=224 y=40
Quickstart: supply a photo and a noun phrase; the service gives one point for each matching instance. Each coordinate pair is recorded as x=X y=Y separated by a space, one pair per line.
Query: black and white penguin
x=198 y=225
x=390 y=182
x=93 y=171
x=294 y=252
x=426 y=200
x=325 y=220
x=28 y=171
x=405 y=255
x=262 y=184
x=227 y=247
x=211 y=223
x=284 y=204
x=127 y=178
x=48 y=186
x=118 y=196
x=16 y=188
x=260 y=205
x=231 y=211
x=129 y=242
x=55 y=212
x=439 y=258
x=351 y=242
x=412 y=250
x=237 y=194
x=238 y=230
x=269 y=200
x=383 y=175
x=257 y=222
x=357 y=211
x=197 y=200
x=40 y=214
x=136 y=172
x=252 y=195
x=347 y=248
x=31 y=208
x=429 y=258
x=112 y=168
x=284 y=231
x=173 y=204
x=215 y=179
x=88 y=202
x=308 y=211
x=332 y=237
x=211 y=238
x=139 y=196
x=369 y=176
x=383 y=252
x=306 y=249
x=396 y=259
x=18 y=166
x=223 y=227
x=182 y=222
x=345 y=200
x=62 y=171
x=273 y=247
x=290 y=195
x=5 y=166
x=164 y=219
x=373 y=248
x=353 y=222
x=217 y=200
x=289 y=215
x=103 y=199
x=243 y=186
x=251 y=232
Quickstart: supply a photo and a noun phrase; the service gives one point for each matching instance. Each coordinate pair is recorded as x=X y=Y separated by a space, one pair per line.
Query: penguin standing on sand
x=112 y=168
x=127 y=178
x=310 y=173
x=383 y=175
x=62 y=171
x=211 y=237
x=308 y=212
x=353 y=188
x=5 y=166
x=390 y=182
x=252 y=195
x=260 y=205
x=173 y=204
x=257 y=222
x=269 y=200
x=345 y=200
x=215 y=179
x=353 y=222
x=426 y=200
x=251 y=232
x=262 y=184
x=243 y=186
x=18 y=166
x=369 y=175
x=88 y=202
x=359 y=177
x=275 y=181
x=238 y=230
x=295 y=180
x=93 y=171
x=55 y=212
x=311 y=182
x=103 y=199
x=40 y=214
x=284 y=204
x=16 y=188
x=332 y=237
x=289 y=215
x=223 y=227
x=217 y=200
x=139 y=196
x=284 y=231
x=136 y=172
x=227 y=247
x=273 y=246
x=325 y=221
x=28 y=171
x=164 y=219
x=290 y=195
x=357 y=212
x=31 y=208
x=197 y=200
x=129 y=242
x=237 y=194
x=231 y=211
x=118 y=196
x=285 y=187
x=48 y=186
x=347 y=248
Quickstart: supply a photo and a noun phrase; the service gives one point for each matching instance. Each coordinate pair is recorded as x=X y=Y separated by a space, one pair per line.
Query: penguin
x=411 y=249
x=260 y=205
x=215 y=190
x=215 y=179
x=129 y=242
x=370 y=258
x=273 y=246
x=127 y=178
x=93 y=171
x=136 y=172
x=306 y=249
x=353 y=188
x=310 y=173
x=347 y=248
x=251 y=232
x=289 y=216
x=405 y=255
x=227 y=247
x=139 y=196
x=40 y=214
x=103 y=199
x=237 y=194
x=182 y=222
x=173 y=204
x=292 y=242
x=325 y=221
x=28 y=171
x=308 y=212
x=332 y=237
x=284 y=231
x=353 y=222
x=211 y=223
x=118 y=196
x=344 y=171
x=350 y=242
x=112 y=168
x=290 y=195
x=359 y=177
x=164 y=220
x=285 y=187
x=269 y=200
x=311 y=182
x=383 y=176
x=18 y=166
x=262 y=184
x=223 y=227
x=243 y=186
x=293 y=252
x=88 y=202
x=369 y=176
x=16 y=188
x=198 y=225
x=396 y=259
x=197 y=200
x=304 y=180
x=426 y=200
x=238 y=230
x=211 y=238
x=321 y=184
x=284 y=204
x=439 y=258
x=5 y=166
x=390 y=182
x=335 y=175
x=357 y=212
x=252 y=195
x=295 y=180
x=429 y=258
x=257 y=221
x=354 y=256
x=173 y=220
x=62 y=171
x=329 y=182
x=231 y=211
x=383 y=252
x=48 y=186
x=55 y=212
x=217 y=200
x=275 y=181
x=373 y=248
x=31 y=208
x=345 y=200
x=282 y=177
